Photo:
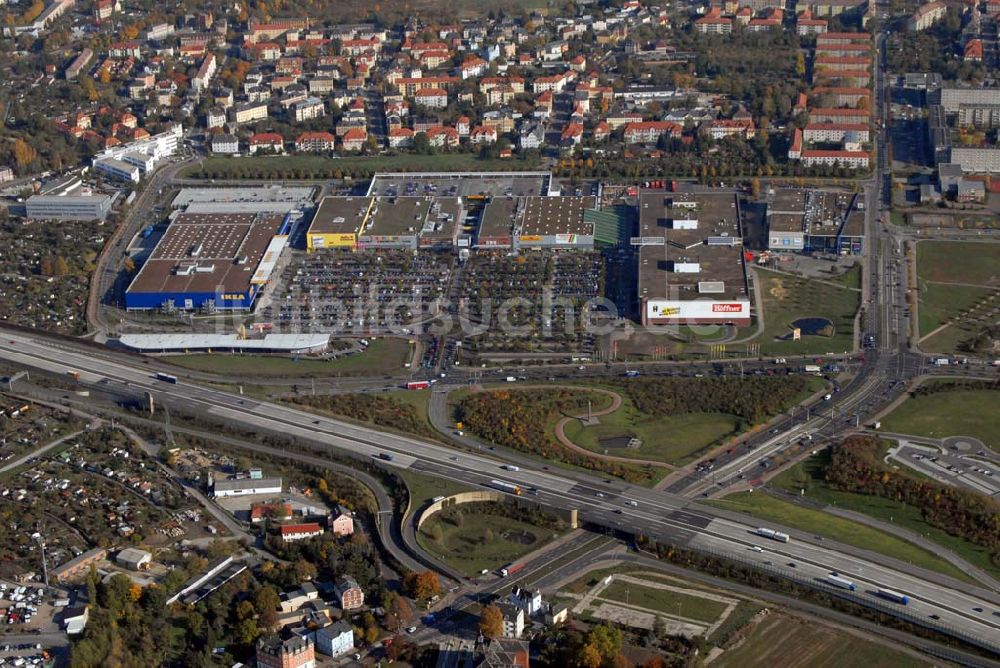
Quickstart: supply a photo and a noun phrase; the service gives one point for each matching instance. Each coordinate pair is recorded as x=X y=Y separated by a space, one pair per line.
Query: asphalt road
x=657 y=514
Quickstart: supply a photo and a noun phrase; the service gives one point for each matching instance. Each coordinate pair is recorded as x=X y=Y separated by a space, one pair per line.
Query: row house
x=486 y=84
x=270 y=142
x=836 y=132
x=248 y=112
x=732 y=127
x=841 y=63
x=859 y=78
x=500 y=95
x=849 y=159
x=926 y=16
x=648 y=132
x=262 y=51
x=354 y=139
x=433 y=59
x=555 y=83
x=433 y=98
x=844 y=49
x=190 y=52
x=308 y=109
x=215 y=118
x=571 y=135
x=483 y=134
x=125 y=49
x=473 y=67
x=315 y=142
x=842 y=96
x=295 y=532
x=205 y=73
x=289 y=65
x=806 y=25
x=714 y=23
x=839 y=38
x=408 y=86
x=443 y=137
x=356 y=47
x=771 y=20
x=839 y=116
x=617 y=121
x=267 y=30
x=400 y=137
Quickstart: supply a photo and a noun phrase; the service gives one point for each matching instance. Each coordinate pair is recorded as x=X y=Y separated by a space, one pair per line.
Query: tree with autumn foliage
x=491 y=622
x=421 y=585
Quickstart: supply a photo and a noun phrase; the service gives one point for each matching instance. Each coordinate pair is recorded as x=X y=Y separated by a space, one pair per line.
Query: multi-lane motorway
x=967 y=609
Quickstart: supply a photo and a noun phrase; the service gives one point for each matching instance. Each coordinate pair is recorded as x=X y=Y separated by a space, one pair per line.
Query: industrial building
x=338 y=222
x=142 y=153
x=245 y=487
x=69 y=207
x=691 y=262
x=264 y=199
x=214 y=261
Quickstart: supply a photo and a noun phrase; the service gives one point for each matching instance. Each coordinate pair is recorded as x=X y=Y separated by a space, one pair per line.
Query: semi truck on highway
x=510 y=569
x=75 y=375
x=837 y=580
x=773 y=535
x=812 y=368
x=893 y=596
x=166 y=378
x=418 y=385
x=505 y=487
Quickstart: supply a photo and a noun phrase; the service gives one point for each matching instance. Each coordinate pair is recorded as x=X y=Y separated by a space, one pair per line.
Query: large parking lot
x=361 y=293
x=498 y=287
x=459 y=185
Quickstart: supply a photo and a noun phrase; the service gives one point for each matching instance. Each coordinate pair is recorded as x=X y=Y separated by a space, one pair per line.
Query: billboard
x=529 y=238
x=701 y=310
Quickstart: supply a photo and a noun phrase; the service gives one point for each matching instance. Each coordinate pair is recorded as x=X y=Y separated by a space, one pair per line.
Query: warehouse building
x=386 y=222
x=245 y=487
x=412 y=222
x=269 y=343
x=537 y=222
x=786 y=225
x=338 y=222
x=210 y=261
x=691 y=263
x=69 y=207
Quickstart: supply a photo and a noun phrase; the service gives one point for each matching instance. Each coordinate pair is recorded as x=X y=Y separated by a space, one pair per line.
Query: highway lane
x=657 y=514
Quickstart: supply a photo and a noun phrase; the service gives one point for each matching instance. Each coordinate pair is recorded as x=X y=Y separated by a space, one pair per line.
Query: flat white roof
x=284 y=342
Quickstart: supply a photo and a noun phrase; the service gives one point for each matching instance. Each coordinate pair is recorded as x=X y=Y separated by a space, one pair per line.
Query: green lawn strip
x=788 y=298
x=767 y=507
x=808 y=475
x=423 y=488
x=955 y=413
x=959 y=262
x=383 y=356
x=468 y=549
x=664 y=601
x=940 y=303
x=313 y=166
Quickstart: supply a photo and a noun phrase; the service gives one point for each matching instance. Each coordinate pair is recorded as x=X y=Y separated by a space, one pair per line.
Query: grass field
x=423 y=488
x=673 y=439
x=849 y=279
x=315 y=166
x=787 y=298
x=808 y=476
x=940 y=303
x=383 y=356
x=959 y=262
x=767 y=507
x=789 y=642
x=483 y=541
x=956 y=413
x=952 y=278
x=664 y=601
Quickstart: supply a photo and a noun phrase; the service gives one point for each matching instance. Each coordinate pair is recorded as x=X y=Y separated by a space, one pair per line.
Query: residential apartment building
x=295 y=652
x=926 y=16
